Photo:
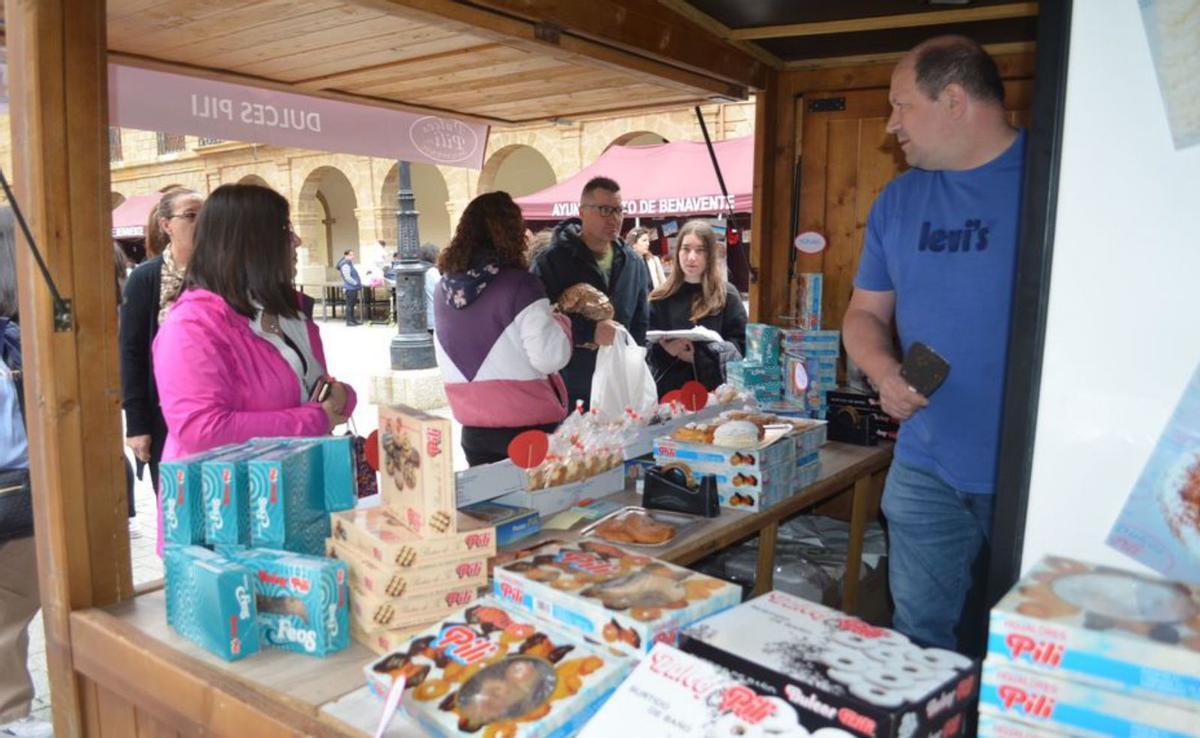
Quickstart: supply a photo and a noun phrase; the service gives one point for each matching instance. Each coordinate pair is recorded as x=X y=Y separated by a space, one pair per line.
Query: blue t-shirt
x=945 y=242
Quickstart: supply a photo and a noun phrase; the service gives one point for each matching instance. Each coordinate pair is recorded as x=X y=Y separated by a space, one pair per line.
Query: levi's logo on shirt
x=973 y=235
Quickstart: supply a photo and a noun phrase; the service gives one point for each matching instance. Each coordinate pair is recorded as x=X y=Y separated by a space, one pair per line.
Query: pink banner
x=175 y=103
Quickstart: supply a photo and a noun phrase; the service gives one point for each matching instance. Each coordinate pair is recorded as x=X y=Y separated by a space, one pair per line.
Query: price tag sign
x=529 y=449
x=809 y=242
x=693 y=395
x=372 y=450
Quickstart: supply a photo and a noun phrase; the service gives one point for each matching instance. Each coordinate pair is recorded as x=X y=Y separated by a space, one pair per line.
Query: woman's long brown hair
x=711 y=299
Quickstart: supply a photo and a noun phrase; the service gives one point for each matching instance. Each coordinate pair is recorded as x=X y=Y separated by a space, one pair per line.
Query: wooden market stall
x=499 y=61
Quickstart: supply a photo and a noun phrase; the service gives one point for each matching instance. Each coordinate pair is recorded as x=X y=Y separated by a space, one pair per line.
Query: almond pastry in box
x=379 y=534
x=418 y=469
x=372 y=613
x=607 y=593
x=492 y=671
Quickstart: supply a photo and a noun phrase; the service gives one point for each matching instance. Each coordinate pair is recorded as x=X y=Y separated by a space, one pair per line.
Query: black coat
x=674 y=313
x=137 y=328
x=567 y=262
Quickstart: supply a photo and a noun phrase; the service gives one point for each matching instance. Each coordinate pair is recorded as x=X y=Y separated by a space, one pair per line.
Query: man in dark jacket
x=587 y=249
x=351 y=284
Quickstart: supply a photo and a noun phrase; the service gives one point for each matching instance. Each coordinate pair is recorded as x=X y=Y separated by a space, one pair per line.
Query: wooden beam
x=720 y=30
x=59 y=102
x=890 y=58
x=645 y=28
x=770 y=219
x=526 y=34
x=887 y=22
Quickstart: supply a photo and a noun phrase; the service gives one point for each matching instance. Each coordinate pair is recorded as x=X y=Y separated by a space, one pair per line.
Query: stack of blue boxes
x=810 y=359
x=759 y=373
x=264 y=507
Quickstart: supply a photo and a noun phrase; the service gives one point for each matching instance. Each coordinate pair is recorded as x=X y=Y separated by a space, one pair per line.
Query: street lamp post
x=412 y=346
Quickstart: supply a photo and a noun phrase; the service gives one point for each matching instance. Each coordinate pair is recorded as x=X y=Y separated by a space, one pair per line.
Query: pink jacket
x=219 y=382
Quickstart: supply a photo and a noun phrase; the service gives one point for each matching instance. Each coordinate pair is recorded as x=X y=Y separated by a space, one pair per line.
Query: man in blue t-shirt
x=939 y=259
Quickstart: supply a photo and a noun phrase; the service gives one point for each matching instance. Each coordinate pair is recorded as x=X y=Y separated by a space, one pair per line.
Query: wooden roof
x=492 y=63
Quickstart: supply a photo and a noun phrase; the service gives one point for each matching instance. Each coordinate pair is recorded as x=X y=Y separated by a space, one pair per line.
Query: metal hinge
x=827 y=105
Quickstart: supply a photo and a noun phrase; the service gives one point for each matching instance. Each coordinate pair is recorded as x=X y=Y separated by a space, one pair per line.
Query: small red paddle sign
x=672 y=396
x=372 y=450
x=529 y=449
x=693 y=395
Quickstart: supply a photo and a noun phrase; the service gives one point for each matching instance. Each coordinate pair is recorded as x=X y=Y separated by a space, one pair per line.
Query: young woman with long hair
x=696 y=294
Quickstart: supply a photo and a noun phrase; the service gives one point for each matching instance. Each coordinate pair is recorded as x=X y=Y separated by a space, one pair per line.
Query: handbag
x=366 y=480
x=16 y=499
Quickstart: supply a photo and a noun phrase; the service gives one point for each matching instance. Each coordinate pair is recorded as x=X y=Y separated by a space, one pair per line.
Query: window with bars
x=169 y=143
x=114 y=144
x=206 y=141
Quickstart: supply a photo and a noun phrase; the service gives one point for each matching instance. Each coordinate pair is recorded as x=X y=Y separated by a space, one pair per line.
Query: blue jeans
x=937 y=558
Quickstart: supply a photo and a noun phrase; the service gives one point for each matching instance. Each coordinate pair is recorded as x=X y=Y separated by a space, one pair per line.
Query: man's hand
x=140 y=446
x=898 y=399
x=606 y=332
x=680 y=348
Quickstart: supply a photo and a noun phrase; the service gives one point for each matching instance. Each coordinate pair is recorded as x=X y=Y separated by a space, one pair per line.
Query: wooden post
x=770 y=236
x=58 y=99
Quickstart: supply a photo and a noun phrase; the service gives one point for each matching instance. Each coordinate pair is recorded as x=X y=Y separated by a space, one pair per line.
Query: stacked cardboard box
x=747 y=479
x=414 y=559
x=265 y=507
x=838 y=674
x=810 y=365
x=1084 y=650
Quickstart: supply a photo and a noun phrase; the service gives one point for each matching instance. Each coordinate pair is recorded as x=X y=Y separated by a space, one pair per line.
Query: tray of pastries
x=637 y=526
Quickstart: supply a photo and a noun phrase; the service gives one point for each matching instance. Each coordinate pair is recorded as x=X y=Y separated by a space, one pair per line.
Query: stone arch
x=637 y=138
x=432 y=196
x=175 y=186
x=325 y=217
x=116 y=198
x=254 y=179
x=518 y=170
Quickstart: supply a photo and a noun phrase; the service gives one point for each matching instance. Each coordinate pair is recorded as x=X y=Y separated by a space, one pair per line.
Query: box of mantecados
x=838 y=671
x=418 y=469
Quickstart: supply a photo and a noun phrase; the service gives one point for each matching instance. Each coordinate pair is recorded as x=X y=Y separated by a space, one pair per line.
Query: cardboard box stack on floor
x=1084 y=650
x=414 y=559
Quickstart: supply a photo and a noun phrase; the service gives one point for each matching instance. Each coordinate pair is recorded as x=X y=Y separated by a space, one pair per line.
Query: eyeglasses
x=190 y=215
x=607 y=211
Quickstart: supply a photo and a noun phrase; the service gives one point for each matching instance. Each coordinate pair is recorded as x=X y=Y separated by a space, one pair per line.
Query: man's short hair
x=599 y=183
x=958 y=60
x=347 y=252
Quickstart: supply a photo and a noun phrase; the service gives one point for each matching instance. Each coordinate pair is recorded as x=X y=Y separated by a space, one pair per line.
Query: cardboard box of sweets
x=762 y=344
x=181 y=496
x=1102 y=626
x=512 y=523
x=1054 y=703
x=377 y=532
x=372 y=613
x=210 y=601
x=380 y=580
x=492 y=670
x=774 y=450
x=991 y=726
x=672 y=694
x=418 y=469
x=337 y=464
x=617 y=597
x=287 y=498
x=837 y=670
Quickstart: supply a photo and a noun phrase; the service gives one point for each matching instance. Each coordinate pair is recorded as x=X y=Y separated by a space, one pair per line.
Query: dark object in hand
x=924 y=369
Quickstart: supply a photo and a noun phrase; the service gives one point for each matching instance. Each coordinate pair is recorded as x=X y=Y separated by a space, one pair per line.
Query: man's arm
x=867 y=329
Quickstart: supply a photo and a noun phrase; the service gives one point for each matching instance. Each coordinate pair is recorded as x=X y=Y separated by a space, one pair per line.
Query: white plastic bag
x=622 y=378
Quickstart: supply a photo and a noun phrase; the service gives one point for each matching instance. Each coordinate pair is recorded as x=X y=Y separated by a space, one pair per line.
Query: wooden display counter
x=139 y=678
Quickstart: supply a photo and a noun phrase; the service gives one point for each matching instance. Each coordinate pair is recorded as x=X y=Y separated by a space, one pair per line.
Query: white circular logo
x=810 y=242
x=442 y=139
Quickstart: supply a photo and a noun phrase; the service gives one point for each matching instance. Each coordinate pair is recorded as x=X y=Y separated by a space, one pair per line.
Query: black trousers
x=489 y=445
x=351 y=303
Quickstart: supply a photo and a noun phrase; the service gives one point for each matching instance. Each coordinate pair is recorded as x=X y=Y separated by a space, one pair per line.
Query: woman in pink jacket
x=236 y=358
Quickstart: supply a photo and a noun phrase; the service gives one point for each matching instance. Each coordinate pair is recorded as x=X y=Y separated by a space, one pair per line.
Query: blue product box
x=762 y=344
x=750 y=373
x=512 y=523
x=303 y=601
x=808 y=300
x=210 y=601
x=225 y=481
x=181 y=497
x=287 y=499
x=337 y=458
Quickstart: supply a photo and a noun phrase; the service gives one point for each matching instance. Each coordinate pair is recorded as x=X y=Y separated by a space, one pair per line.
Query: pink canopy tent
x=129 y=219
x=672 y=179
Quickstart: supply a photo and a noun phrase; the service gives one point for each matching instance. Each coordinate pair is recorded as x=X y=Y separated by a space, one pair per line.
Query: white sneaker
x=28 y=727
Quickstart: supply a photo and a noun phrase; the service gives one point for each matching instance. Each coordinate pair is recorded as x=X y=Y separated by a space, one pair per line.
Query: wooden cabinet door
x=846 y=158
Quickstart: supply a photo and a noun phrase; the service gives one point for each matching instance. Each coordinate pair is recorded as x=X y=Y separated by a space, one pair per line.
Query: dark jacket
x=674 y=313
x=350 y=278
x=136 y=330
x=568 y=261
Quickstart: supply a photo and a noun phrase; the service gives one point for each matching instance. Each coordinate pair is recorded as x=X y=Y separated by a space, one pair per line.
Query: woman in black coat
x=149 y=293
x=696 y=294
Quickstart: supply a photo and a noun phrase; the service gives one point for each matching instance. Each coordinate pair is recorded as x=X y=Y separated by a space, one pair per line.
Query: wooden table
x=143 y=679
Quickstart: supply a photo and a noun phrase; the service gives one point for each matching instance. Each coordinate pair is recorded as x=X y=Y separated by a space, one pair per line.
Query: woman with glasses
x=236 y=357
x=150 y=290
x=696 y=294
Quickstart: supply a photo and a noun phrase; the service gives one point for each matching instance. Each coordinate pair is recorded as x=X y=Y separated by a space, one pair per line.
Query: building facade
x=342 y=201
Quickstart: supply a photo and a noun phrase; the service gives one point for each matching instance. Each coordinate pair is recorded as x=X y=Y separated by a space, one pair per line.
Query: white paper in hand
x=697 y=333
